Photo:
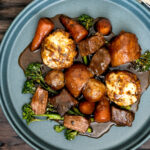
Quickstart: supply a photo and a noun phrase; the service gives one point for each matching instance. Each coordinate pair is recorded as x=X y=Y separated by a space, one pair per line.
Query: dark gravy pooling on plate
x=27 y=57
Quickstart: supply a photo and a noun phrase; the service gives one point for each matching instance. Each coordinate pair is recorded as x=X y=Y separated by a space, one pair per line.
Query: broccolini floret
x=143 y=63
x=29 y=115
x=34 y=74
x=29 y=87
x=86 y=21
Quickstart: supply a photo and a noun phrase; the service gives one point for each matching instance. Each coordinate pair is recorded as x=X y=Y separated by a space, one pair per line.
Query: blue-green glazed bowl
x=126 y=15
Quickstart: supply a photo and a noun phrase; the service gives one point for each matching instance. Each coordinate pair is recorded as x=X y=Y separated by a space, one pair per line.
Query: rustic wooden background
x=9 y=140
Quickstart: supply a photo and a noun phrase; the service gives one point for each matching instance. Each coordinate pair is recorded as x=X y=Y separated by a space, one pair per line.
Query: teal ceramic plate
x=126 y=15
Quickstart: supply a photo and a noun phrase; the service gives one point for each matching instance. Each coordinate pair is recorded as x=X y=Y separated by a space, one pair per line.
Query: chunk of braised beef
x=77 y=123
x=100 y=61
x=122 y=117
x=63 y=102
x=91 y=44
x=39 y=101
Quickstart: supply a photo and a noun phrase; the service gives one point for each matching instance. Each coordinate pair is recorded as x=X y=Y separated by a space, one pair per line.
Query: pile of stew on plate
x=83 y=76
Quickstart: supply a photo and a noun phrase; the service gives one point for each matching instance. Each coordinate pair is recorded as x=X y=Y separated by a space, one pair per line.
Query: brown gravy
x=27 y=57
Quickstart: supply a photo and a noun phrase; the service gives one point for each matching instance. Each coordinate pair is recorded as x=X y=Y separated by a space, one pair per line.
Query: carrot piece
x=77 y=31
x=87 y=107
x=102 y=113
x=44 y=27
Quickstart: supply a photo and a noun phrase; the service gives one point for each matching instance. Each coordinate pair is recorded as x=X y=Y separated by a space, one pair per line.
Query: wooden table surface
x=9 y=140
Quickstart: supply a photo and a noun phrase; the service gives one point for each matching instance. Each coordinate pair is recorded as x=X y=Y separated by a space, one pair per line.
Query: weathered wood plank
x=9 y=12
x=1 y=36
x=9 y=140
x=14 y=2
x=4 y=24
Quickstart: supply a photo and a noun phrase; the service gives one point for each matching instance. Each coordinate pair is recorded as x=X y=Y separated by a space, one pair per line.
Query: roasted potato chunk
x=124 y=48
x=123 y=88
x=76 y=77
x=55 y=79
x=104 y=26
x=58 y=50
x=94 y=90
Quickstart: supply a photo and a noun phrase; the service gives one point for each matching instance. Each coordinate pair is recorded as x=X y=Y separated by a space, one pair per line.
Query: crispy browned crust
x=124 y=48
x=59 y=54
x=124 y=77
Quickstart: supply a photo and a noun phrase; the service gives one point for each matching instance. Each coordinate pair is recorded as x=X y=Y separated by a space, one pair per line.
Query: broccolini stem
x=51 y=116
x=45 y=86
x=70 y=112
x=76 y=110
x=35 y=120
x=85 y=60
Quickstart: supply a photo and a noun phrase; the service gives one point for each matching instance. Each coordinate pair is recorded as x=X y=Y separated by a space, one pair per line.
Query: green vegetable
x=85 y=60
x=50 y=108
x=75 y=111
x=29 y=116
x=59 y=128
x=70 y=134
x=92 y=119
x=86 y=21
x=34 y=73
x=29 y=87
x=143 y=63
x=89 y=130
x=126 y=107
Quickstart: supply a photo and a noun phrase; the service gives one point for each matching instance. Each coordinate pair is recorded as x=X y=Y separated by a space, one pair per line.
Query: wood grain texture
x=9 y=140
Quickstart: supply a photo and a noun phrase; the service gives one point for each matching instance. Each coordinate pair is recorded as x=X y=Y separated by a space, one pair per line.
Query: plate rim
x=32 y=6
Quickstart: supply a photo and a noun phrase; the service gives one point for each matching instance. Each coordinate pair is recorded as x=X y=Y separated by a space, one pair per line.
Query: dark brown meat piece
x=63 y=102
x=100 y=61
x=77 y=123
x=39 y=101
x=91 y=44
x=76 y=77
x=122 y=117
x=124 y=48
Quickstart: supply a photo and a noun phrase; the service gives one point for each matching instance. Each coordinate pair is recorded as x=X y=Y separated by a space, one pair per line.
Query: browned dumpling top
x=58 y=50
x=123 y=88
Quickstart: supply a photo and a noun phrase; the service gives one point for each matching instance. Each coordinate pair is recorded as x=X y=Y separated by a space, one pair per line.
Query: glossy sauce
x=27 y=57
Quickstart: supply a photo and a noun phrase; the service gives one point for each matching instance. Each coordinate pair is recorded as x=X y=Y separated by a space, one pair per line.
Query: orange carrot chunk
x=44 y=27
